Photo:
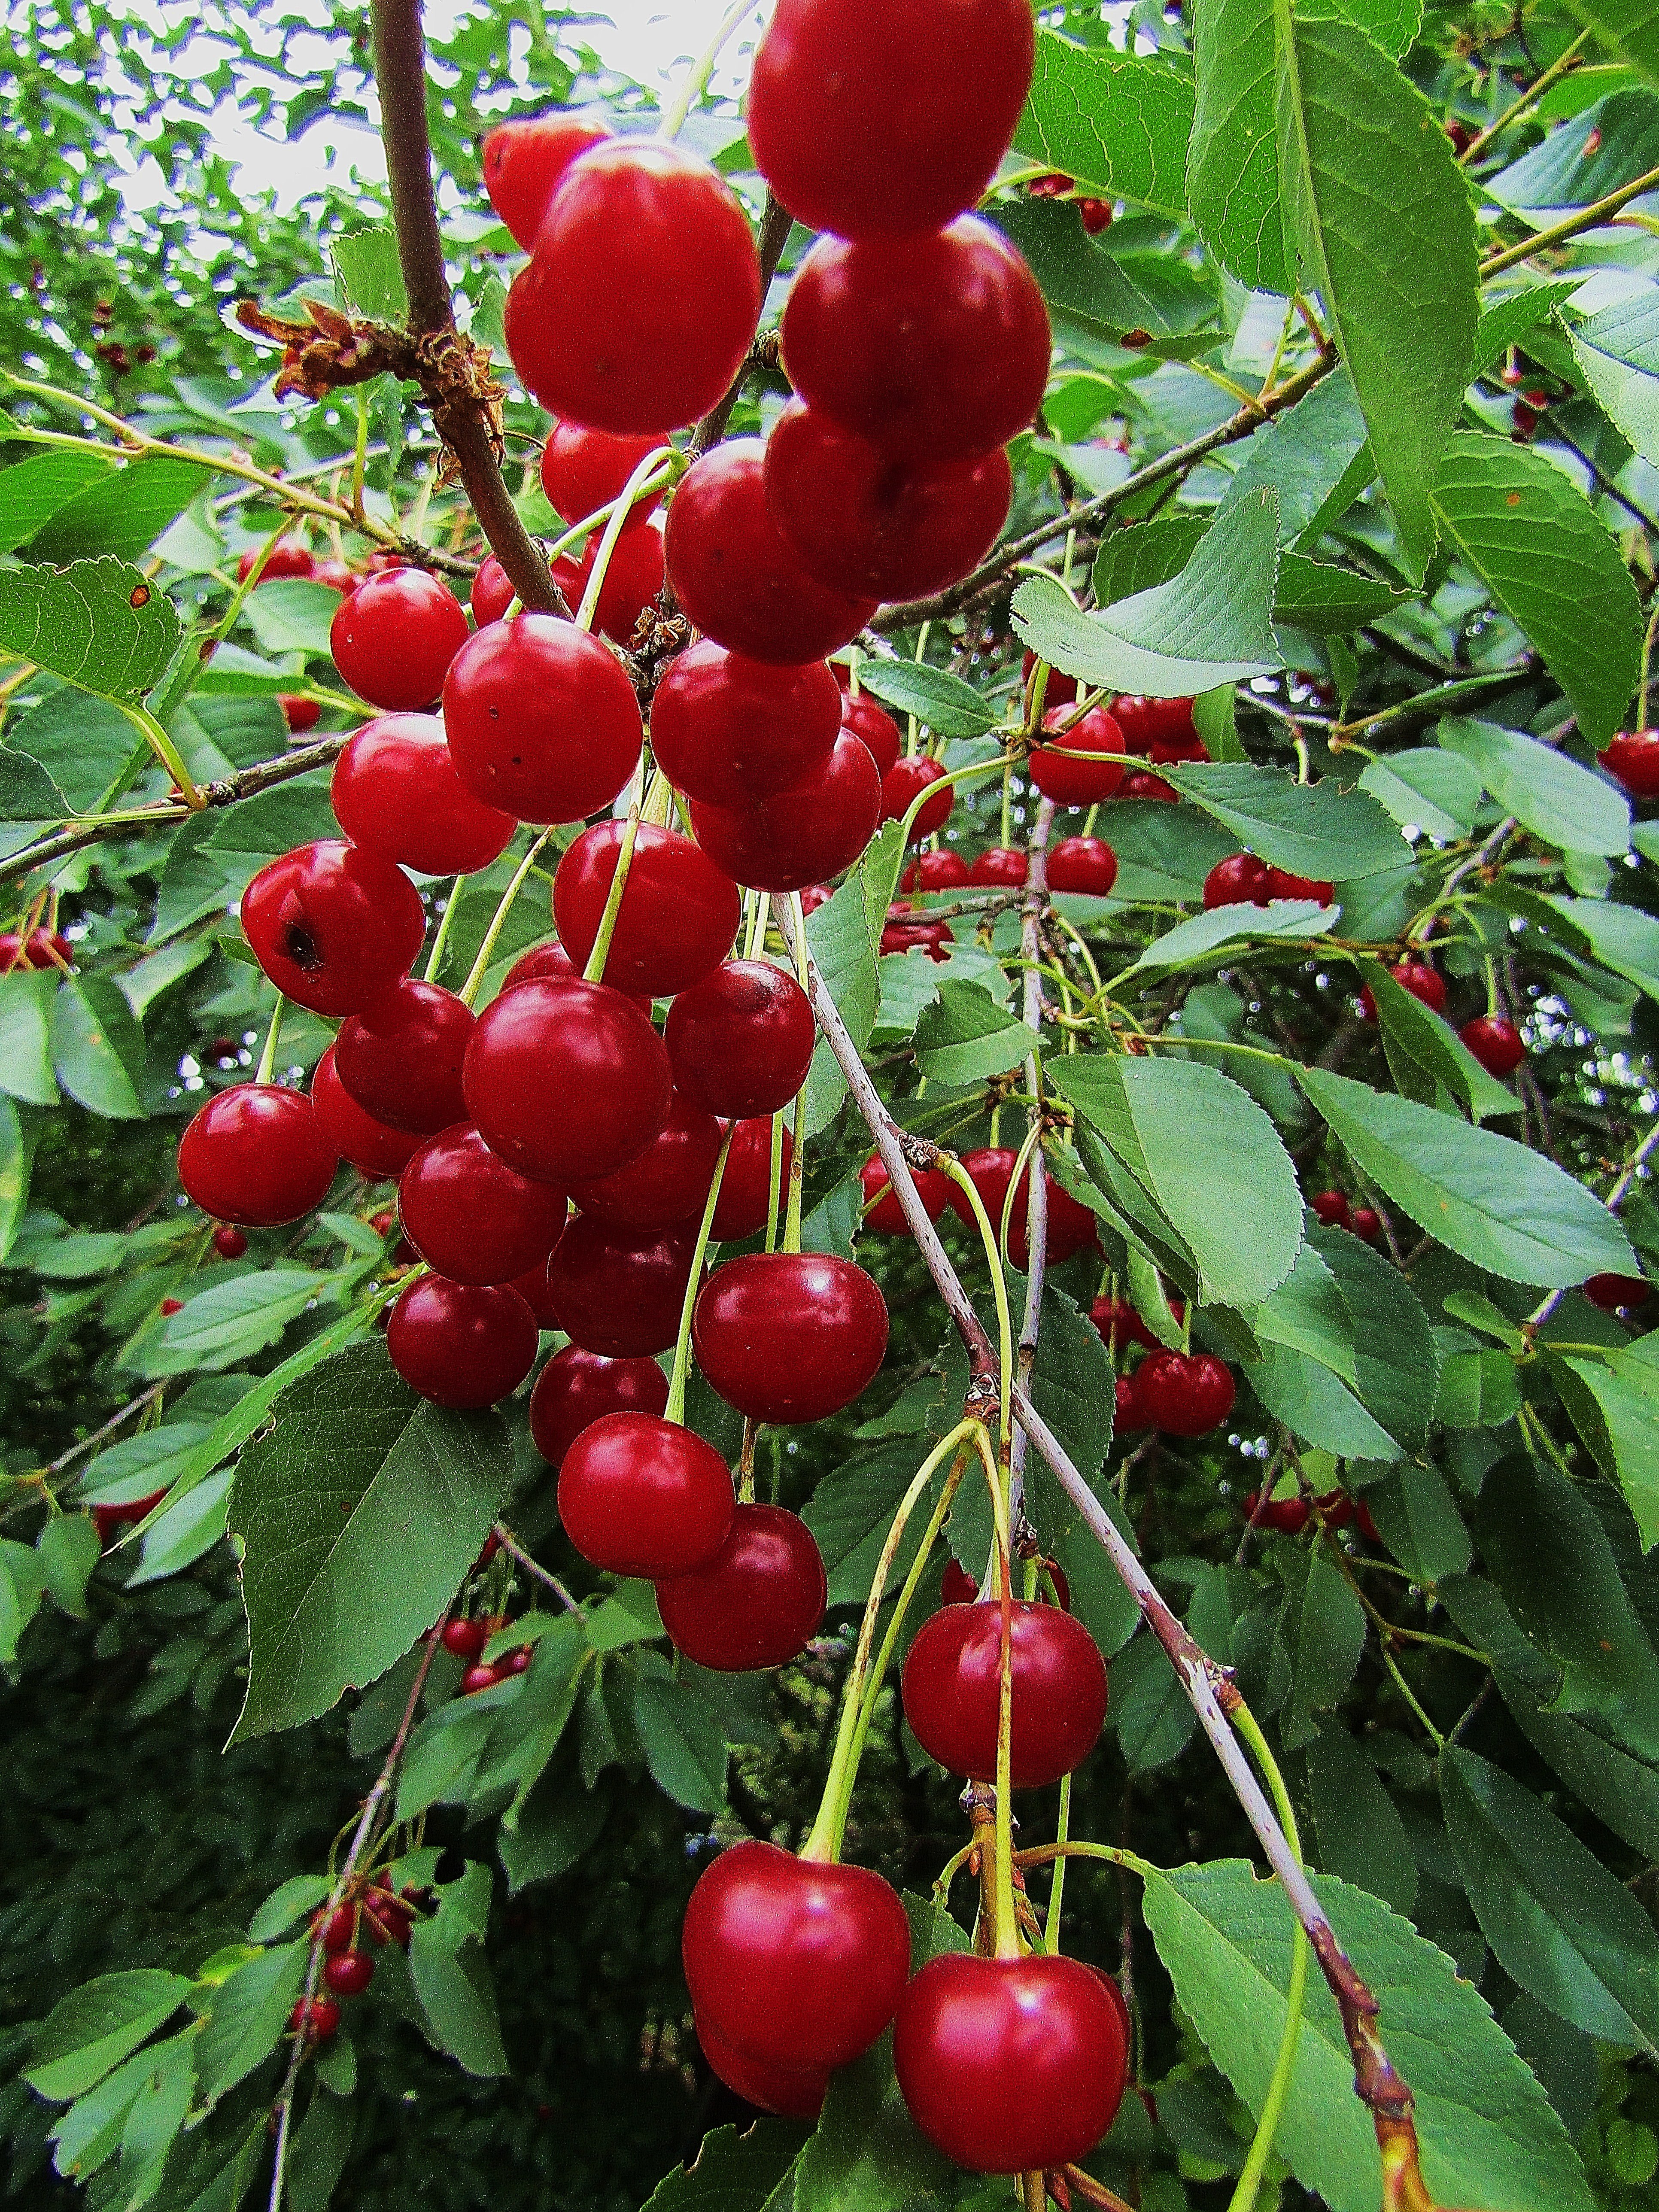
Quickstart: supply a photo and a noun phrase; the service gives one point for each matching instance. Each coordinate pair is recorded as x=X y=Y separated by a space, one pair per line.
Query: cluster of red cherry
x=1493 y=1039
x=376 y=1914
x=1179 y=1394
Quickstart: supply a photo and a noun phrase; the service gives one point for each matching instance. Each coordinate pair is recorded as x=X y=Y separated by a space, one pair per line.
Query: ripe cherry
x=1281 y=885
x=1117 y=1322
x=286 y=559
x=935 y=939
x=746 y=1198
x=350 y=1974
x=37 y=949
x=1331 y=1206
x=1071 y=1226
x=861 y=718
x=790 y=1336
x=678 y=913
x=957 y=1586
x=254 y=1155
x=394 y=638
x=1632 y=760
x=466 y=1638
x=333 y=927
x=886 y=1217
x=480 y=1676
x=1127 y=1411
x=1059 y=691
x=337 y=1931
x=639 y=1495
x=665 y=1184
x=602 y=325
x=633 y=578
x=1141 y=785
x=730 y=730
x=1496 y=1043
x=756 y=1602
x=317 y=2019
x=1289 y=1515
x=300 y=714
x=531 y=1287
x=577 y=1388
x=461 y=1344
x=791 y=1961
x=542 y=720
x=798 y=836
x=372 y=1148
x=1239 y=880
x=1010 y=2065
x=795 y=2094
x=741 y=1039
x=566 y=1080
x=470 y=1215
x=523 y=162
x=1000 y=865
x=1366 y=1223
x=936 y=871
x=401 y=1058
x=736 y=575
x=230 y=1243
x=619 y=1291
x=951 y=1688
x=550 y=961
x=1618 y=1293
x=904 y=783
x=396 y=792
x=1072 y=782
x=1148 y=722
x=1184 y=1396
x=1082 y=864
x=585 y=469
x=1416 y=977
x=492 y=592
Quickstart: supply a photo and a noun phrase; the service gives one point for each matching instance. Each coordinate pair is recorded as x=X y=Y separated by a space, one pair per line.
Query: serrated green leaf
x=121 y=513
x=369 y=274
x=1117 y=122
x=1424 y=1052
x=1314 y=829
x=1362 y=1837
x=1621 y=1427
x=1547 y=793
x=81 y=741
x=97 y=1048
x=943 y=702
x=1395 y=1359
x=451 y=1977
x=736 y=2170
x=684 y=1747
x=1193 y=942
x=96 y=2026
x=1582 y=159
x=1618 y=351
x=98 y=624
x=27 y=792
x=300 y=1893
x=32 y=491
x=1167 y=308
x=228 y=1323
x=850 y=1511
x=25 y=1003
x=1630 y=27
x=248 y=2015
x=965 y=1035
x=1424 y=788
x=1313 y=1400
x=1316 y=457
x=1504 y=323
x=1150 y=1713
x=1419 y=1520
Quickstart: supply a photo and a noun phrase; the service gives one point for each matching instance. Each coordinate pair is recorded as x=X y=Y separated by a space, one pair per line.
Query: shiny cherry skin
x=465 y=1639
x=790 y=1336
x=862 y=717
x=1059 y=691
x=678 y=913
x=797 y=1963
x=1239 y=880
x=470 y=1215
x=957 y=1586
x=350 y=1974
x=583 y=470
x=795 y=2094
x=875 y=119
x=741 y=1039
x=886 y=1216
x=936 y=871
x=396 y=792
x=481 y=1677
x=531 y=1287
x=255 y=1155
x=1148 y=722
x=933 y=347
x=756 y=1602
x=730 y=730
x=1010 y=2065
x=1281 y=885
x=1142 y=785
x=990 y=1169
x=523 y=162
x=577 y=1388
x=461 y=1344
x=371 y=1148
x=542 y=720
x=798 y=836
x=283 y=560
x=1496 y=1043
x=401 y=1058
x=1632 y=760
x=317 y=2019
x=394 y=638
x=619 y=1291
x=1002 y=865
x=639 y=1495
x=230 y=1243
x=952 y=1689
x=1184 y=1396
x=746 y=1198
x=633 y=578
x=551 y=963
x=1617 y=1293
x=331 y=926
x=492 y=592
x=737 y=578
x=904 y=783
x=40 y=949
x=1331 y=1207
x=1289 y=1515
x=602 y=325
x=665 y=1184
x=1366 y=1223
x=1072 y=782
x=566 y=1080
x=1082 y=864
x=1423 y=982
x=863 y=523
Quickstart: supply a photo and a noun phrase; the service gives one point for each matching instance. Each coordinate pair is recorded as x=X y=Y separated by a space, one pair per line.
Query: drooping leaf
x=1316 y=456
x=1361 y=1835
x=1620 y=1424
x=121 y=514
x=291 y=614
x=1117 y=122
x=684 y=1747
x=1395 y=1360
x=452 y=1976
x=1314 y=829
x=1425 y=1054
x=1192 y=943
x=83 y=743
x=98 y=624
x=1166 y=308
x=95 y=2028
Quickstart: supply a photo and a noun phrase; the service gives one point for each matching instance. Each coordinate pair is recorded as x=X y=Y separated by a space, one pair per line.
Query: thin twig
x=91 y=1443
x=1033 y=907
x=509 y=1542
x=773 y=237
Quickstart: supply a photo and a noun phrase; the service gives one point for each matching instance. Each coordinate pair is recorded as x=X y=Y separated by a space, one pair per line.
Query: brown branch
x=773 y=237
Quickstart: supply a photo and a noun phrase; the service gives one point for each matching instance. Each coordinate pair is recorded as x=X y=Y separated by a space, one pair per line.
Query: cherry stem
x=1647 y=658
x=164 y=750
x=964 y=1182
x=620 y=513
x=1007 y=1925
x=268 y=1050
x=675 y=1410
x=1057 y=1891
x=1279 y=2087
x=445 y=920
x=755 y=937
x=474 y=982
x=594 y=971
x=798 y=1155
x=697 y=76
x=777 y=1182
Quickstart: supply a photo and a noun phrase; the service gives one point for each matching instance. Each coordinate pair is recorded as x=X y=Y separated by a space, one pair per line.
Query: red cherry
x=1141 y=785
x=678 y=913
x=873 y=118
x=585 y=469
x=1071 y=782
x=904 y=783
x=1366 y=1222
x=524 y=161
x=934 y=347
x=1184 y=1396
x=1496 y=1043
x=1128 y=1414
x=1096 y=215
x=1283 y=886
x=350 y=1974
x=665 y=1184
x=1332 y=1207
x=1059 y=691
x=886 y=1217
x=1001 y=865
x=1082 y=864
x=38 y=950
x=1336 y=1509
x=337 y=1930
x=790 y=1336
x=518 y=1663
x=549 y=961
x=254 y=1155
x=385 y=1918
x=1147 y=722
x=372 y=1148
x=171 y=1306
x=863 y=523
x=746 y=1198
x=230 y=1243
x=798 y=836
x=542 y=720
x=1618 y=1293
x=401 y=1058
x=731 y=731
x=1071 y=1226
x=1117 y=1322
x=461 y=1344
x=952 y=1689
x=1416 y=977
x=287 y=559
x=862 y=719
x=317 y=2019
x=338 y=576
x=619 y=1291
x=471 y=1216
x=633 y=578
x=396 y=792
x=300 y=714
x=394 y=638
x=492 y=592
x=799 y=1964
x=957 y=1586
x=741 y=1040
x=466 y=1638
x=936 y=871
x=797 y=2096
x=639 y=1495
x=756 y=1602
x=935 y=939
x=531 y=1287
x=602 y=325
x=1010 y=2065
x=577 y=1388
x=481 y=1677
x=566 y=1080
x=1239 y=880
x=331 y=926
x=1289 y=1515
x=1632 y=760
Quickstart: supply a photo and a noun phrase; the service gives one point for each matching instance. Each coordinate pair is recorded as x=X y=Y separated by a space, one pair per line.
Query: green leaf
x=1535 y=542
x=451 y=1974
x=844 y=938
x=558 y=1824
x=17 y=1135
x=318 y=2158
x=1548 y=793
x=369 y=274
x=96 y=2027
x=1582 y=160
x=69 y=1548
x=1504 y=323
x=1395 y=1359
x=1167 y=307
x=736 y=2170
x=248 y=2016
x=27 y=792
x=684 y=1747
x=1619 y=1788
x=1313 y=1400
x=1325 y=1633
x=300 y=1893
x=1630 y=27
x=1622 y=1427
x=1490 y=2140
x=1419 y=1520
x=25 y=1003
x=867 y=2154
x=1426 y=789
x=850 y=1510
x=1494 y=1201
x=97 y=1048
x=1361 y=1837
x=1623 y=938
x=1116 y=122
x=98 y=624
x=1618 y=351
x=1315 y=829
x=83 y=743
x=1317 y=596
x=32 y=491
x=1316 y=457
x=1150 y=1713
x=225 y=1325
x=943 y=702
x=291 y=614
x=1478 y=1390
x=1193 y=942
x=358 y=1514
x=121 y=513
x=964 y=1035
x=1425 y=1054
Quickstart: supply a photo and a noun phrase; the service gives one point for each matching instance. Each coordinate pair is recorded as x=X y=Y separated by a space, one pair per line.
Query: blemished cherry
x=862 y=717
x=350 y=1974
x=1082 y=864
x=1423 y=982
x=1496 y=1043
x=791 y=1961
x=737 y=578
x=790 y=1336
x=461 y=1344
x=730 y=729
x=331 y=926
x=394 y=638
x=401 y=1058
x=566 y=1080
x=934 y=347
x=746 y=1198
x=254 y=1156
x=230 y=1243
x=602 y=325
x=300 y=714
x=1071 y=782
x=577 y=1388
x=936 y=871
x=1001 y=865
x=952 y=1689
x=639 y=1495
x=741 y=1039
x=492 y=592
x=1184 y=1396
x=583 y=470
x=372 y=1148
x=466 y=1638
x=886 y=1217
x=756 y=1602
x=551 y=963
x=1331 y=1206
x=904 y=783
x=1010 y=2065
x=523 y=162
x=472 y=1216
x=798 y=836
x=316 y=2019
x=396 y=792
x=1059 y=691
x=542 y=720
x=1632 y=760
x=665 y=1184
x=619 y=1291
x=286 y=559
x=796 y=2095
x=1618 y=1293
x=1366 y=1223
x=633 y=578
x=1143 y=785
x=678 y=913
x=1239 y=880
x=873 y=118
x=863 y=523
